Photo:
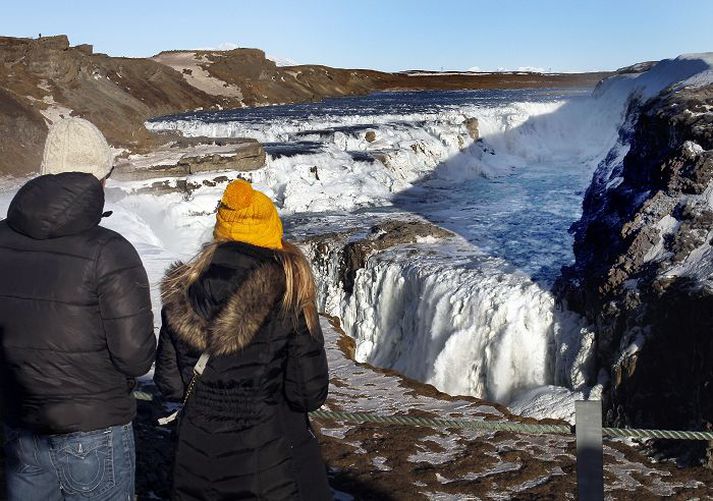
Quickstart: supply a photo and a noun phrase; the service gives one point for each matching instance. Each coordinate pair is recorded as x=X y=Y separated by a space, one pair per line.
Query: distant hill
x=45 y=78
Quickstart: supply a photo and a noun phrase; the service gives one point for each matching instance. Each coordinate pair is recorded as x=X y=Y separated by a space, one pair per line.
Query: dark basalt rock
x=383 y=236
x=642 y=218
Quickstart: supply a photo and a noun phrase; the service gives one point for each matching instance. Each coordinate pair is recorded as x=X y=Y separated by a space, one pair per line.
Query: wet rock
x=240 y=155
x=384 y=236
x=370 y=136
x=471 y=125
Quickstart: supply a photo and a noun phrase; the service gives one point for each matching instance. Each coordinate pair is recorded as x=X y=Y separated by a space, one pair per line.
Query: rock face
x=22 y=135
x=643 y=274
x=471 y=125
x=383 y=236
x=192 y=156
x=48 y=78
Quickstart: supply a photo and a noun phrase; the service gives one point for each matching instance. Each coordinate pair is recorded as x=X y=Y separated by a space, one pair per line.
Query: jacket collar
x=237 y=323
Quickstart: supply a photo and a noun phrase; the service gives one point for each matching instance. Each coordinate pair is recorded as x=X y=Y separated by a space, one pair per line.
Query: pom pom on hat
x=247 y=215
x=238 y=195
x=76 y=145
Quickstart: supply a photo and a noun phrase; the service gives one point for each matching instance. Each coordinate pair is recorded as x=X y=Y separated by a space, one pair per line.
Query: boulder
x=471 y=125
x=127 y=172
x=384 y=236
x=246 y=156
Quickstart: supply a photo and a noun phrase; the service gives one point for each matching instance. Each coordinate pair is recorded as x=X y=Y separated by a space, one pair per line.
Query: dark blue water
x=380 y=103
x=522 y=218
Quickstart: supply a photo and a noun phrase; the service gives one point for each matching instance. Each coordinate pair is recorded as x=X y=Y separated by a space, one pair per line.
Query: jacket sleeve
x=167 y=375
x=306 y=373
x=125 y=305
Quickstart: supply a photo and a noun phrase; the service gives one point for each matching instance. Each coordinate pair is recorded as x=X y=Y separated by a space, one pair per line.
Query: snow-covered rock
x=643 y=274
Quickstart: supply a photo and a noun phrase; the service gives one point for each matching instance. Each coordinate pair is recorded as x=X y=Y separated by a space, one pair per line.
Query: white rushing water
x=471 y=314
x=464 y=315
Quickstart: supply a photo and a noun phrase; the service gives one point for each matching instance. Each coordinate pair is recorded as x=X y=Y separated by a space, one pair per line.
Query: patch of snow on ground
x=190 y=65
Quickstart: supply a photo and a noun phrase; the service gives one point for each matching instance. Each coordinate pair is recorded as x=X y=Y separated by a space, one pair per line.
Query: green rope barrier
x=443 y=423
x=670 y=434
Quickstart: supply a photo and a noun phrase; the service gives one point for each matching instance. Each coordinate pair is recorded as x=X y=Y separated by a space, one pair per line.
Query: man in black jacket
x=76 y=328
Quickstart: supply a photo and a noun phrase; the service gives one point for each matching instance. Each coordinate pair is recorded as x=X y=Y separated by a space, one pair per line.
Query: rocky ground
x=643 y=267
x=386 y=462
x=46 y=78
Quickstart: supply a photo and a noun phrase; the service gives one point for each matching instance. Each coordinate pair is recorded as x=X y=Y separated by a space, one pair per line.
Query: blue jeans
x=96 y=465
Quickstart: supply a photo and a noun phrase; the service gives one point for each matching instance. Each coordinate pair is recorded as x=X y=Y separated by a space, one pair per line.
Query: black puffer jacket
x=244 y=433
x=75 y=315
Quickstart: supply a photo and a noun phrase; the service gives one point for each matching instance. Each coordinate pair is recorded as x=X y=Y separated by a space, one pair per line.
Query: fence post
x=590 y=455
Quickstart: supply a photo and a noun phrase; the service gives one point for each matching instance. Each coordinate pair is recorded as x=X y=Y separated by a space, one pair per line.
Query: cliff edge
x=643 y=275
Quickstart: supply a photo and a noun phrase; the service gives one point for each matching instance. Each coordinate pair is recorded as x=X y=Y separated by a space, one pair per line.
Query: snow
x=198 y=77
x=698 y=80
x=554 y=402
x=54 y=111
x=281 y=61
x=666 y=227
x=661 y=76
x=468 y=330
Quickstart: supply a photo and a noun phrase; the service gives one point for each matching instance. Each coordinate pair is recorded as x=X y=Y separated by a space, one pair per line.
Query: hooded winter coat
x=76 y=325
x=244 y=432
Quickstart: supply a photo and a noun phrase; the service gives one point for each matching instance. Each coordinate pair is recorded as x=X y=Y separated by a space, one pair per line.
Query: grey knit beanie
x=76 y=145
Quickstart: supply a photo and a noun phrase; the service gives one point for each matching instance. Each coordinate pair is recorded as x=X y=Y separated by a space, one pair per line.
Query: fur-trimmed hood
x=237 y=323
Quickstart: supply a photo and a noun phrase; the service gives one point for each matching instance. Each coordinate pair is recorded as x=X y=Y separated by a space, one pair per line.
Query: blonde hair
x=300 y=290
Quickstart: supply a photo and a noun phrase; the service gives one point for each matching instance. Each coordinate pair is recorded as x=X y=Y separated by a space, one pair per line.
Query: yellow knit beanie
x=247 y=215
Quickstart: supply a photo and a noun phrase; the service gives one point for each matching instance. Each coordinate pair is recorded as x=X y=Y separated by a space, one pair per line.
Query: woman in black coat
x=248 y=300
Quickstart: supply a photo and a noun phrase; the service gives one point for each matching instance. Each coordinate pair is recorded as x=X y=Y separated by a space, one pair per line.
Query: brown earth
x=263 y=82
x=48 y=76
x=22 y=134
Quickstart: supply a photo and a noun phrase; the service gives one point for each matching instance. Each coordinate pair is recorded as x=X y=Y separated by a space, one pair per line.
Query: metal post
x=590 y=456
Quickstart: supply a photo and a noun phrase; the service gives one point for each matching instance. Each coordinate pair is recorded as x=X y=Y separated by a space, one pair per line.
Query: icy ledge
x=463 y=321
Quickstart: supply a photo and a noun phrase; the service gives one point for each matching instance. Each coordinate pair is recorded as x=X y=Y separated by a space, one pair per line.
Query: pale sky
x=556 y=35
